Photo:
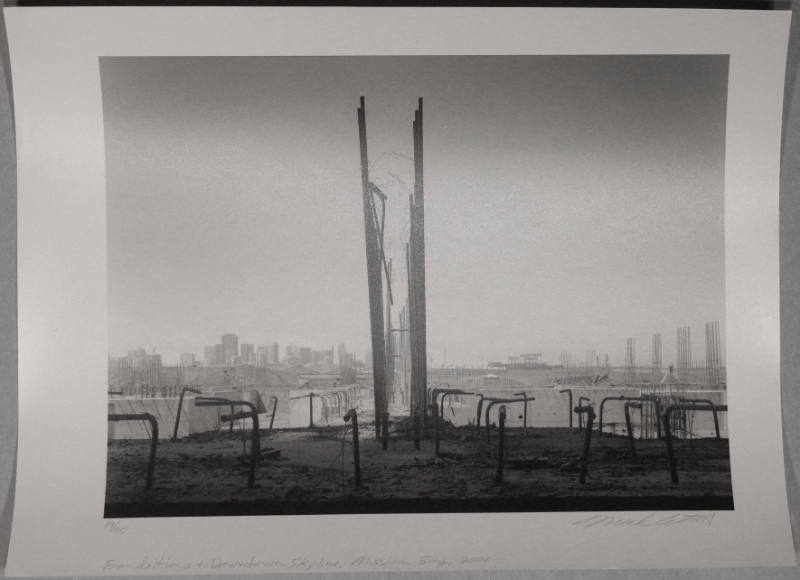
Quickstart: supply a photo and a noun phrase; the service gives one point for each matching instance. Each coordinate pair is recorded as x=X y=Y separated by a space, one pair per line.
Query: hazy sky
x=571 y=202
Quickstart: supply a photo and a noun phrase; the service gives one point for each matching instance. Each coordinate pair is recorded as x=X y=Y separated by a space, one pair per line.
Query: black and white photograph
x=415 y=284
x=408 y=290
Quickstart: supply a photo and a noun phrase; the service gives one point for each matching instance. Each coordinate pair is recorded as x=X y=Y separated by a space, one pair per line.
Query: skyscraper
x=248 y=354
x=262 y=355
x=293 y=351
x=230 y=347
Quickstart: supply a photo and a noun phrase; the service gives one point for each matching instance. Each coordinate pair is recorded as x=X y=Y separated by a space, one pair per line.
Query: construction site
x=408 y=436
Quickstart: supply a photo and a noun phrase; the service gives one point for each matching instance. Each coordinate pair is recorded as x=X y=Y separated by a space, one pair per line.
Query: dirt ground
x=313 y=472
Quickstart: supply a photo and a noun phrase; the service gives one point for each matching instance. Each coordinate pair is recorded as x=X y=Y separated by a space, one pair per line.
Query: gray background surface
x=790 y=344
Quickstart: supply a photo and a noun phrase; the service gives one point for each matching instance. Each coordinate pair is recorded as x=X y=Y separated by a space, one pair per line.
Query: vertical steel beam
x=417 y=272
x=374 y=277
x=419 y=195
x=415 y=403
x=390 y=350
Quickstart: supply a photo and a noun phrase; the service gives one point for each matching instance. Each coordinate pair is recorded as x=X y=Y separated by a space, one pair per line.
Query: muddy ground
x=312 y=472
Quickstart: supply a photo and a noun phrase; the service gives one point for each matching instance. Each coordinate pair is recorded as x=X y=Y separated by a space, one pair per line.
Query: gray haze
x=571 y=202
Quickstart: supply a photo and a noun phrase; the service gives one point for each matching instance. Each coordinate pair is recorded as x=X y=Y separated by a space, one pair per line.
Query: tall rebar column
x=684 y=347
x=656 y=361
x=416 y=277
x=390 y=346
x=374 y=278
x=630 y=360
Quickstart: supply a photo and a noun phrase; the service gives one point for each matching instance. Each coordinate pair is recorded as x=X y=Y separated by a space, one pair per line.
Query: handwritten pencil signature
x=645 y=521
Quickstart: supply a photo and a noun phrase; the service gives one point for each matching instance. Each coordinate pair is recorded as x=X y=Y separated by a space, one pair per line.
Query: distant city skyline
x=694 y=353
x=267 y=352
x=572 y=202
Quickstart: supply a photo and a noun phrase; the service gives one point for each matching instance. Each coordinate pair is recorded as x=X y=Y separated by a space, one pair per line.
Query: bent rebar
x=705 y=402
x=310 y=407
x=668 y=432
x=255 y=445
x=151 y=463
x=352 y=415
x=569 y=409
x=524 y=394
x=180 y=407
x=479 y=407
x=221 y=400
x=650 y=398
x=603 y=403
x=492 y=403
x=438 y=409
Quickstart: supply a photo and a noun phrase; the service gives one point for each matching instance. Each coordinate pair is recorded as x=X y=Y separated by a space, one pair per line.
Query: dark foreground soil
x=313 y=473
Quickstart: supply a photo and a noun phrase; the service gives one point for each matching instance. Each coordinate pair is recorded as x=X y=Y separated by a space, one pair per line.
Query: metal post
x=180 y=408
x=525 y=412
x=587 y=441
x=151 y=463
x=628 y=424
x=580 y=417
x=274 y=409
x=311 y=410
x=501 y=443
x=351 y=414
x=673 y=469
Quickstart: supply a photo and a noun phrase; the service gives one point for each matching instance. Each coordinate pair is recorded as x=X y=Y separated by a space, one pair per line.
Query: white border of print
x=58 y=524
